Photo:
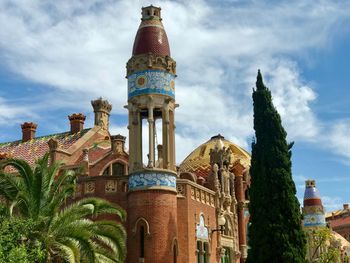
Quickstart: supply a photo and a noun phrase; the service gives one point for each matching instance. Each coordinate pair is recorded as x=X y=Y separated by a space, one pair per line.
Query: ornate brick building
x=339 y=221
x=193 y=212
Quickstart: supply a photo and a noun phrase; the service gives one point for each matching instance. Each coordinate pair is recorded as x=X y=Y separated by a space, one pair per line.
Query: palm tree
x=72 y=232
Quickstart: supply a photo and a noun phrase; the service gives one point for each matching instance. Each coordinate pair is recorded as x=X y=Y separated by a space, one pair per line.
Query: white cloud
x=292 y=98
x=338 y=138
x=11 y=113
x=332 y=203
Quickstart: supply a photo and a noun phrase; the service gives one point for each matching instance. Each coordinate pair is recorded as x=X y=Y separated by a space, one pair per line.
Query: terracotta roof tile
x=31 y=150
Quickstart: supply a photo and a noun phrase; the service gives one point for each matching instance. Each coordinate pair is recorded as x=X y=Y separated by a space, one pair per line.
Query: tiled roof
x=198 y=162
x=37 y=147
x=339 y=212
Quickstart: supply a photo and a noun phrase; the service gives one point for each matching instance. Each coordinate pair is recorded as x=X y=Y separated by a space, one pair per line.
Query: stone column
x=151 y=136
x=166 y=122
x=238 y=170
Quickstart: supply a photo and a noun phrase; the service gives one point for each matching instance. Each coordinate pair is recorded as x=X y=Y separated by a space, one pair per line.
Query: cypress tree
x=275 y=233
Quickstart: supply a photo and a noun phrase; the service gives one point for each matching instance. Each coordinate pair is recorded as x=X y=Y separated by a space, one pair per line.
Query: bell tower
x=152 y=174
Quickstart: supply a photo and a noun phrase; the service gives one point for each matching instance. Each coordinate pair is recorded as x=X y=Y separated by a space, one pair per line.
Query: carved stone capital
x=150 y=61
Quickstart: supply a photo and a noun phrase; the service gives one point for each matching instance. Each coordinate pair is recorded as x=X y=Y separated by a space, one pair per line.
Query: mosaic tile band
x=151 y=82
x=314 y=220
x=153 y=179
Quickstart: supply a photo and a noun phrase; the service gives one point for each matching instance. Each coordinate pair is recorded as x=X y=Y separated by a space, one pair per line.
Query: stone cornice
x=150 y=61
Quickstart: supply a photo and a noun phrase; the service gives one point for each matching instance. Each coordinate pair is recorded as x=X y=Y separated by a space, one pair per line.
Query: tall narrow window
x=202 y=252
x=174 y=254
x=226 y=258
x=142 y=242
x=205 y=252
x=199 y=252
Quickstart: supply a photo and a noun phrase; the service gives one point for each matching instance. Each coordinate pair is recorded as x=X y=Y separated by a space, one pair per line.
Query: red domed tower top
x=151 y=36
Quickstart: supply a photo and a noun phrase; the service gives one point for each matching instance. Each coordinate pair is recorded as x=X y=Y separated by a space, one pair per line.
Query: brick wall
x=158 y=208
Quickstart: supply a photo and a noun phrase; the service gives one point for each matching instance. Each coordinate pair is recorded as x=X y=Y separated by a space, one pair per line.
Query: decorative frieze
x=151 y=82
x=150 y=61
x=202 y=196
x=154 y=179
x=314 y=220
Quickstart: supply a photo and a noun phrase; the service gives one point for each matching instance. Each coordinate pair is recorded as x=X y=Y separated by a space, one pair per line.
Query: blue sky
x=56 y=56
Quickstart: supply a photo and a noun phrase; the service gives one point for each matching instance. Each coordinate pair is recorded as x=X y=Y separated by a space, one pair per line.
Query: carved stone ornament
x=220 y=155
x=53 y=144
x=180 y=190
x=150 y=61
x=111 y=186
x=89 y=187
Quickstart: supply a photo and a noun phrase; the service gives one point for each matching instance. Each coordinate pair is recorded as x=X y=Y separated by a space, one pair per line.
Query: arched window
x=115 y=169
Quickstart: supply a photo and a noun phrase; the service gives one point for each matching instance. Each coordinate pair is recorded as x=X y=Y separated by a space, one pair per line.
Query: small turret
x=102 y=109
x=151 y=105
x=313 y=210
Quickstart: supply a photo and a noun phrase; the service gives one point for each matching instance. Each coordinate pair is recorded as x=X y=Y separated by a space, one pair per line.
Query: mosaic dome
x=198 y=161
x=151 y=38
x=312 y=196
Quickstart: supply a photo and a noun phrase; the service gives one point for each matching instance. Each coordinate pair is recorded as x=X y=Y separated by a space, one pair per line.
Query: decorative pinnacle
x=150 y=13
x=101 y=105
x=77 y=116
x=29 y=125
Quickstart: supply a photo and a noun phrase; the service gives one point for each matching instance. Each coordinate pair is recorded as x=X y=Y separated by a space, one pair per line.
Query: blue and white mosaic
x=314 y=220
x=151 y=82
x=144 y=180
